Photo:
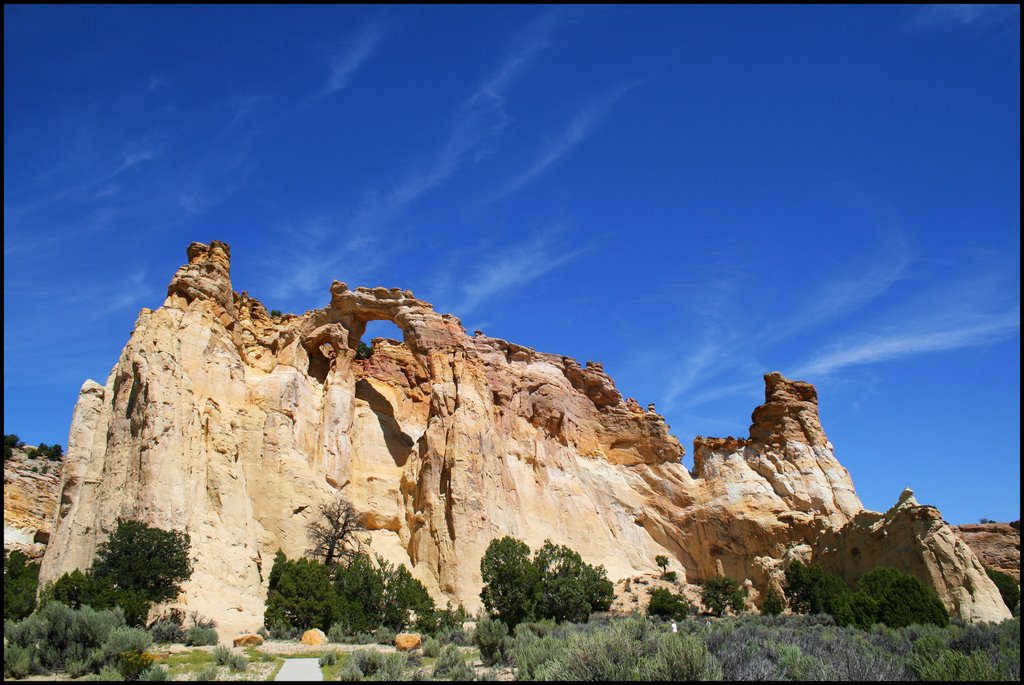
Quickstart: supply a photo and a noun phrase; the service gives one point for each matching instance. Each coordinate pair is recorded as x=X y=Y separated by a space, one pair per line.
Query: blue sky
x=693 y=196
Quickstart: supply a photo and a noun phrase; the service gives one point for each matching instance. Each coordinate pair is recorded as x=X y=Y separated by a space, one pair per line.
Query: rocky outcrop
x=997 y=545
x=914 y=538
x=31 y=489
x=233 y=425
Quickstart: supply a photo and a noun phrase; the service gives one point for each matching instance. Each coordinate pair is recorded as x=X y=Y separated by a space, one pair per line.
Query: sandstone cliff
x=31 y=488
x=233 y=425
x=997 y=545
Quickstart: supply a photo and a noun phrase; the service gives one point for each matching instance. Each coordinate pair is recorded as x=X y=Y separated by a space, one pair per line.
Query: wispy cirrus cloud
x=346 y=63
x=945 y=16
x=477 y=123
x=911 y=339
x=721 y=361
x=501 y=271
x=579 y=128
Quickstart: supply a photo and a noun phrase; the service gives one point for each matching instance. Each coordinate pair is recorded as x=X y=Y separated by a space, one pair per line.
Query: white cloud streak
x=915 y=339
x=478 y=121
x=579 y=128
x=933 y=17
x=345 y=65
x=509 y=270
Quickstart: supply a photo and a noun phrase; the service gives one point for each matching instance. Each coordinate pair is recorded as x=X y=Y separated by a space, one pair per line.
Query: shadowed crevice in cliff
x=399 y=444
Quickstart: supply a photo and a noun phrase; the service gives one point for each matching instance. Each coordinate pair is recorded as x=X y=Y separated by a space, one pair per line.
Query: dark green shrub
x=670 y=576
x=300 y=595
x=812 y=591
x=668 y=605
x=51 y=452
x=139 y=557
x=510 y=581
x=21 y=578
x=275 y=313
x=722 y=592
x=569 y=588
x=363 y=351
x=11 y=442
x=1008 y=588
x=436 y=621
x=493 y=641
x=199 y=637
x=898 y=599
x=772 y=605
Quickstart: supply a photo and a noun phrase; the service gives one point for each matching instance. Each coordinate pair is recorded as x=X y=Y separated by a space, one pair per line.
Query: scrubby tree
x=662 y=561
x=371 y=593
x=569 y=588
x=140 y=557
x=11 y=443
x=301 y=595
x=335 y=533
x=21 y=577
x=772 y=604
x=721 y=592
x=901 y=599
x=1008 y=588
x=77 y=589
x=402 y=594
x=51 y=452
x=666 y=604
x=363 y=351
x=510 y=581
x=811 y=590
x=360 y=592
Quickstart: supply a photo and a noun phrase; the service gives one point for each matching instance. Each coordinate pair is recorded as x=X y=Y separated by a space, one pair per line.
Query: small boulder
x=249 y=640
x=314 y=637
x=405 y=642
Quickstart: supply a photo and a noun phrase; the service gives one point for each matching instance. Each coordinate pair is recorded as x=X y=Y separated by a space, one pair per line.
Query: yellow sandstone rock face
x=31 y=489
x=996 y=544
x=223 y=421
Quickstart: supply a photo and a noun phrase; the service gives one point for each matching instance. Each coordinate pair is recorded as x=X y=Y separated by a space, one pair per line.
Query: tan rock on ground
x=248 y=640
x=234 y=425
x=405 y=642
x=314 y=636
